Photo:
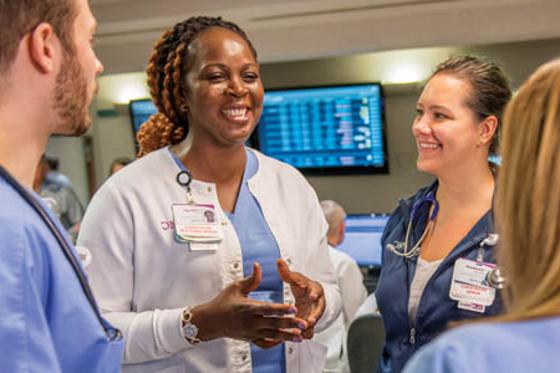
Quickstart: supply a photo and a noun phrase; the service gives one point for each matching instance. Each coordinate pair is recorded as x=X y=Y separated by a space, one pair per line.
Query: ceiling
x=307 y=29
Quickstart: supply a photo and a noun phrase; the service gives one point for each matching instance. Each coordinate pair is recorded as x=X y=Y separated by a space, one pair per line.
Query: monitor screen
x=326 y=130
x=140 y=111
x=363 y=238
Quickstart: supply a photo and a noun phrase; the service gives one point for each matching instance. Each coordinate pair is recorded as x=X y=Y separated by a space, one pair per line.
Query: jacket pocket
x=312 y=357
x=173 y=364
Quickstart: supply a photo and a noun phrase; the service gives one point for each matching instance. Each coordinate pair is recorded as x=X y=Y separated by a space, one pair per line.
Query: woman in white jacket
x=175 y=237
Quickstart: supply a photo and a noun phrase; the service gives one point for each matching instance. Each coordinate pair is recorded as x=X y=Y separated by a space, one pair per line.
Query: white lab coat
x=143 y=278
x=351 y=283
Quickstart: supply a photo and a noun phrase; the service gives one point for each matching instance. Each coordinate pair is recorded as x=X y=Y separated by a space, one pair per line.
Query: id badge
x=469 y=284
x=196 y=223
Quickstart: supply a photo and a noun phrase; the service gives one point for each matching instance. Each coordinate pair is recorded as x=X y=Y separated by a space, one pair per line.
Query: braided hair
x=166 y=78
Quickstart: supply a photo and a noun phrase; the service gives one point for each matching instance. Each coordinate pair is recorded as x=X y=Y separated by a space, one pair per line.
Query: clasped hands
x=233 y=314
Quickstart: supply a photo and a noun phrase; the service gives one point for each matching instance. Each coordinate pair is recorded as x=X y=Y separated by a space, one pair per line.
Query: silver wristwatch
x=189 y=330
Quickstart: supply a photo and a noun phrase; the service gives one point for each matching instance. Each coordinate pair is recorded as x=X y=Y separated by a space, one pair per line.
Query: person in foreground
x=176 y=236
x=527 y=337
x=352 y=290
x=443 y=229
x=49 y=322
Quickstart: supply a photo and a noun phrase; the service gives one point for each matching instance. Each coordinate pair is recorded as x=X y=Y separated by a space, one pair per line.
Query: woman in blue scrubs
x=175 y=236
x=526 y=339
x=448 y=225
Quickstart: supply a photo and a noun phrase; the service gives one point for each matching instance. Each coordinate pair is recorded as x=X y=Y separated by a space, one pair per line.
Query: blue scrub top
x=258 y=245
x=500 y=347
x=46 y=322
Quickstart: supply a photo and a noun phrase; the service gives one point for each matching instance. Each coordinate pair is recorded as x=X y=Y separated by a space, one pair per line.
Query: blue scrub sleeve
x=26 y=342
x=438 y=357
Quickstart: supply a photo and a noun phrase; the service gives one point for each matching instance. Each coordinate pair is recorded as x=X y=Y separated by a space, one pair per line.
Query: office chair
x=366 y=338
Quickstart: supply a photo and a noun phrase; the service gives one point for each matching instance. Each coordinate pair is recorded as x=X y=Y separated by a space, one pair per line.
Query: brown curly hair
x=166 y=78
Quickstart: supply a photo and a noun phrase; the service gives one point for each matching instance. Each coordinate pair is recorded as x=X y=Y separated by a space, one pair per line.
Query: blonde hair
x=528 y=200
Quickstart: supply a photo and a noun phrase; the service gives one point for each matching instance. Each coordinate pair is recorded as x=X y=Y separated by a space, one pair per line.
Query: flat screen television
x=140 y=111
x=327 y=129
x=362 y=240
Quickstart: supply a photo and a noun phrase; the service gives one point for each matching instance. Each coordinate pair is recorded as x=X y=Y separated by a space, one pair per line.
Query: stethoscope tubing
x=496 y=279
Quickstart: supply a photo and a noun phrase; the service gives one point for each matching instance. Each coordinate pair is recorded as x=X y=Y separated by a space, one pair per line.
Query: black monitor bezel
x=339 y=170
x=131 y=114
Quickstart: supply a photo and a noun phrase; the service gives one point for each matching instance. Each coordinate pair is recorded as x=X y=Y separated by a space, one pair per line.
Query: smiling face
x=224 y=92
x=446 y=130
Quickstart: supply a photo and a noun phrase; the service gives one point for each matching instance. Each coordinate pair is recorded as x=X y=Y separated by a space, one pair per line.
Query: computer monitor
x=326 y=130
x=140 y=111
x=363 y=238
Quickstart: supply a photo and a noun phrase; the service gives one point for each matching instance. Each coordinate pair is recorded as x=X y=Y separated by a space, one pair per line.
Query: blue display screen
x=325 y=128
x=362 y=240
x=140 y=111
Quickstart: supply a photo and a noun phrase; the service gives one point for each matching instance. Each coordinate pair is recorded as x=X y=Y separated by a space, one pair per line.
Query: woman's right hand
x=232 y=314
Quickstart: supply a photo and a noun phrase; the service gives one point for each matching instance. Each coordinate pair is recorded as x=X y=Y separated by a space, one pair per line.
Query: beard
x=71 y=98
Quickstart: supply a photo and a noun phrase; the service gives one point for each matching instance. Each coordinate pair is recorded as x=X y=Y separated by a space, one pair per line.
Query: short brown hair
x=490 y=87
x=18 y=17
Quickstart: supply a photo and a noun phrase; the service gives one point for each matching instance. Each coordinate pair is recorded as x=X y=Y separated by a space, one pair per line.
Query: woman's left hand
x=309 y=296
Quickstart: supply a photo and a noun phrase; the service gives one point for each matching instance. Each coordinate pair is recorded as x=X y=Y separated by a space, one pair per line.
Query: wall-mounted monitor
x=140 y=111
x=327 y=129
x=362 y=240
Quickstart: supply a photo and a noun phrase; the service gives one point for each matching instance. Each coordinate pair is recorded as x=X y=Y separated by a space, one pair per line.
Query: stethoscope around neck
x=401 y=248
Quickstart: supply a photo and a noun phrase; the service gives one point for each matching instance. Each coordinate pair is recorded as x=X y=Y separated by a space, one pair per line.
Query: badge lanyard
x=183 y=178
x=195 y=224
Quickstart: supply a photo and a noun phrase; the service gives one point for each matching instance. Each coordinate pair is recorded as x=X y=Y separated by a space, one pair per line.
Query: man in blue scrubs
x=49 y=320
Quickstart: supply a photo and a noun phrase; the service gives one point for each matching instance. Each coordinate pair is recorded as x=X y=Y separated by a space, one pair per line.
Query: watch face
x=190 y=331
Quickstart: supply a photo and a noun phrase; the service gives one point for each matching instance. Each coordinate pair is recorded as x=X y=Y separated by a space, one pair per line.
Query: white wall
x=112 y=134
x=112 y=138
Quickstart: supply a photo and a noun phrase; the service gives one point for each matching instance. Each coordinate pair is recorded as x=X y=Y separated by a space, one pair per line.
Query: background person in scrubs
x=47 y=80
x=60 y=198
x=184 y=288
x=526 y=339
